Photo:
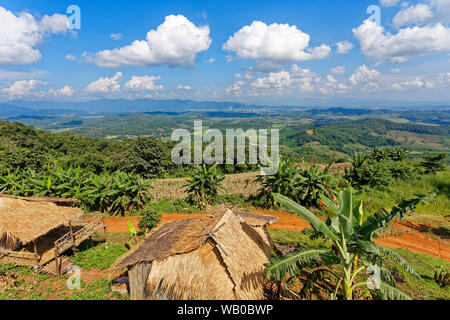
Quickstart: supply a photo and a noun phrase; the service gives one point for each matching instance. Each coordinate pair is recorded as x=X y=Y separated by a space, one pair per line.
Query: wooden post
x=72 y=238
x=56 y=261
x=104 y=229
x=36 y=254
x=90 y=240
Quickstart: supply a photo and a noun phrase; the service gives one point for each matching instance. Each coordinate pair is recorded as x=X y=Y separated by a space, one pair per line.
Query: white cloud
x=418 y=13
x=116 y=36
x=66 y=91
x=274 y=80
x=71 y=57
x=275 y=83
x=212 y=60
x=23 y=88
x=344 y=47
x=416 y=83
x=389 y=3
x=184 y=87
x=20 y=35
x=57 y=23
x=175 y=42
x=362 y=75
x=395 y=70
x=105 y=85
x=145 y=83
x=410 y=42
x=20 y=75
x=278 y=43
x=432 y=11
x=338 y=70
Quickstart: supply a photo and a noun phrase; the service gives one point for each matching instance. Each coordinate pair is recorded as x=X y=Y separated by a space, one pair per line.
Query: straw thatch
x=58 y=201
x=219 y=256
x=24 y=221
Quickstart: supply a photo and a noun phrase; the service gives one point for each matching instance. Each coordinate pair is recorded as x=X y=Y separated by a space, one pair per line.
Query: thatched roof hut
x=24 y=221
x=219 y=257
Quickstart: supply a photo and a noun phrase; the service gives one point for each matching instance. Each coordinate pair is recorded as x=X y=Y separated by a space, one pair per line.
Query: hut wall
x=197 y=275
x=243 y=256
x=138 y=275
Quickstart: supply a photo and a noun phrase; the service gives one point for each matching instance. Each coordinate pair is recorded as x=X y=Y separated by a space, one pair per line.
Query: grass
x=296 y=238
x=28 y=285
x=99 y=257
x=425 y=288
x=171 y=206
x=376 y=199
x=421 y=289
x=99 y=290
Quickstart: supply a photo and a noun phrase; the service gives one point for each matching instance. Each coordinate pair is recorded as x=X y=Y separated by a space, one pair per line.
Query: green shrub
x=433 y=164
x=172 y=206
x=379 y=168
x=305 y=185
x=149 y=219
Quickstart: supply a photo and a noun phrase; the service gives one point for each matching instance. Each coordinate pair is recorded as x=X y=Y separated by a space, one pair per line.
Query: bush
x=433 y=164
x=304 y=185
x=149 y=219
x=379 y=168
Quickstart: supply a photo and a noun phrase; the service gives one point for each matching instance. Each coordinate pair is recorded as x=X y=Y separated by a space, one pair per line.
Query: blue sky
x=251 y=51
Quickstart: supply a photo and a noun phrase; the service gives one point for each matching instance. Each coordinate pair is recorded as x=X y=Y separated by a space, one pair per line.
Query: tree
x=146 y=156
x=353 y=249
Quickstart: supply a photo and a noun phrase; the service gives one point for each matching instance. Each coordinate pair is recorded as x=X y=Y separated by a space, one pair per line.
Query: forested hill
x=348 y=137
x=31 y=149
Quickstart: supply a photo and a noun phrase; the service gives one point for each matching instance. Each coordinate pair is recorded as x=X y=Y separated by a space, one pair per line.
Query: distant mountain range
x=47 y=109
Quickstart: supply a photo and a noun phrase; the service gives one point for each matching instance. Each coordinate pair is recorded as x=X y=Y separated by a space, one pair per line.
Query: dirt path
x=427 y=237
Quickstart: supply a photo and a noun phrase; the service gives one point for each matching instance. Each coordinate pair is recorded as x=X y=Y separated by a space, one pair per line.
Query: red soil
x=416 y=237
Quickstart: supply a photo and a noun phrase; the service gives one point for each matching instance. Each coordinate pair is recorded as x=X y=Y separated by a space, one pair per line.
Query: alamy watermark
x=74 y=15
x=74 y=279
x=374 y=279
x=237 y=151
x=375 y=12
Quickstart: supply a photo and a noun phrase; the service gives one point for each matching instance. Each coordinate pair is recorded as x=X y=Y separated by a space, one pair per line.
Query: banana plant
x=204 y=185
x=133 y=238
x=353 y=250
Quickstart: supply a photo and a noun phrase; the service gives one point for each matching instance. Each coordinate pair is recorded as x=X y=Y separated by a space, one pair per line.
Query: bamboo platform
x=51 y=268
x=46 y=254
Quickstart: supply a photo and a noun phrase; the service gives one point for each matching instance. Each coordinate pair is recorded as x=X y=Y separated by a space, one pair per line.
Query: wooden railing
x=70 y=240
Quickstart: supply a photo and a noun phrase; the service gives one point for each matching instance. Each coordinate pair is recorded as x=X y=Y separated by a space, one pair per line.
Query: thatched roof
x=25 y=221
x=255 y=220
x=182 y=236
x=219 y=256
x=58 y=201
